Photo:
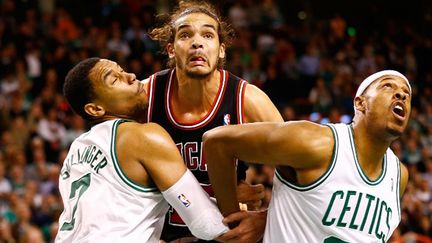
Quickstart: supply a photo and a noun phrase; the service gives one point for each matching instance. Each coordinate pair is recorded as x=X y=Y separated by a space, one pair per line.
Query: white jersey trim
x=117 y=166
x=240 y=101
x=324 y=176
x=152 y=84
x=209 y=116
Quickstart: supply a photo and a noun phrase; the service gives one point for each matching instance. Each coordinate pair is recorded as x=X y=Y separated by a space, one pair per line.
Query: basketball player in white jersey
x=333 y=183
x=118 y=178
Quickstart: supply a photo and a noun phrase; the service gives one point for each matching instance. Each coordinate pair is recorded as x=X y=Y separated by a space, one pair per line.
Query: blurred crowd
x=309 y=65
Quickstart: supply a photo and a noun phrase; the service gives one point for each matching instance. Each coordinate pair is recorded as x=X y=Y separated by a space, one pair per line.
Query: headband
x=378 y=75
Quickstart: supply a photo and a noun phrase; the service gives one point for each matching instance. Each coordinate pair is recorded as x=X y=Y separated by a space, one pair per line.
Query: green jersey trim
x=357 y=163
x=324 y=176
x=117 y=166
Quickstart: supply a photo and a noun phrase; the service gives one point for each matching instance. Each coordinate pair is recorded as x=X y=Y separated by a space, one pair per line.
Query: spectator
x=41 y=40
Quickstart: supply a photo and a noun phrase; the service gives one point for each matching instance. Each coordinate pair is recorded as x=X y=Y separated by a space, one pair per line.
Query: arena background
x=308 y=56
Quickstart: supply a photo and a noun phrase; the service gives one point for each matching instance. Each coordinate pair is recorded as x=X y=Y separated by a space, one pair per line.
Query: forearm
x=195 y=208
x=221 y=167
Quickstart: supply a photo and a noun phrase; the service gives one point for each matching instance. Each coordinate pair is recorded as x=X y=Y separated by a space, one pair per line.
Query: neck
x=371 y=147
x=95 y=121
x=108 y=117
x=195 y=93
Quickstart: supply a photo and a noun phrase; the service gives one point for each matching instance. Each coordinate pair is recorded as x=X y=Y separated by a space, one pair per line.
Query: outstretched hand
x=250 y=229
x=252 y=195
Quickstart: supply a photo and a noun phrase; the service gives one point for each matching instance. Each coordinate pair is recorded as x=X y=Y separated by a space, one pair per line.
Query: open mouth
x=197 y=59
x=399 y=109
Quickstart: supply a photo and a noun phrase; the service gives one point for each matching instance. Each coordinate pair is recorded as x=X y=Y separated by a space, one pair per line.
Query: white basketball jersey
x=343 y=205
x=101 y=203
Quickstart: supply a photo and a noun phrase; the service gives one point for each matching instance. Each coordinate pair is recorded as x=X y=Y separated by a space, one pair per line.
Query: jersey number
x=83 y=183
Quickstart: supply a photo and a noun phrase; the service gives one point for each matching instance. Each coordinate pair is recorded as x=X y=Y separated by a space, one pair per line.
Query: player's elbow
x=215 y=145
x=211 y=139
x=207 y=136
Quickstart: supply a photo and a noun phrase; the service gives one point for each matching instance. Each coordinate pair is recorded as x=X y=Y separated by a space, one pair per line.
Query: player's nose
x=196 y=43
x=400 y=95
x=131 y=77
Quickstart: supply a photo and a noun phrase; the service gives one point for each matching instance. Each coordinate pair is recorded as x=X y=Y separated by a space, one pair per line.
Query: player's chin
x=395 y=130
x=198 y=72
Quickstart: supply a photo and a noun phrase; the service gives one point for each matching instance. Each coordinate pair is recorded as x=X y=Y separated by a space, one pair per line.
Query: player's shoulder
x=253 y=92
x=404 y=171
x=138 y=134
x=161 y=73
x=404 y=178
x=253 y=89
x=232 y=76
x=142 y=128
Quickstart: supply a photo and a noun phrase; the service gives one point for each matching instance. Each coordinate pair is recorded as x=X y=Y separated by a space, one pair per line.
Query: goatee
x=197 y=75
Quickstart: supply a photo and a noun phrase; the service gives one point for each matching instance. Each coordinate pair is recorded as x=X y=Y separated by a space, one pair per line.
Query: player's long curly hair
x=166 y=33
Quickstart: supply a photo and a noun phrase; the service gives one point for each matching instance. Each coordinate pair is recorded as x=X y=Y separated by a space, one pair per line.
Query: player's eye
x=208 y=35
x=183 y=35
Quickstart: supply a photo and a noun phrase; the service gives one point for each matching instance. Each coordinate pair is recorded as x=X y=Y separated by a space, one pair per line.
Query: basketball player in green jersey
x=332 y=183
x=118 y=178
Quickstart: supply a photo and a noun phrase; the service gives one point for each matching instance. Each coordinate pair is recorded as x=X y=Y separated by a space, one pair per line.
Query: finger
x=243 y=187
x=237 y=216
x=246 y=192
x=261 y=194
x=254 y=205
x=246 y=198
x=258 y=188
x=242 y=182
x=228 y=236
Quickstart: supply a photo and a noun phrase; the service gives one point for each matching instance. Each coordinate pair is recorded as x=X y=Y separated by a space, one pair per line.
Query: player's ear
x=94 y=110
x=360 y=103
x=222 y=51
x=170 y=50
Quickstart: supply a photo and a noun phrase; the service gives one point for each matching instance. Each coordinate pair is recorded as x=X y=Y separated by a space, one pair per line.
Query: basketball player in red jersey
x=195 y=94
